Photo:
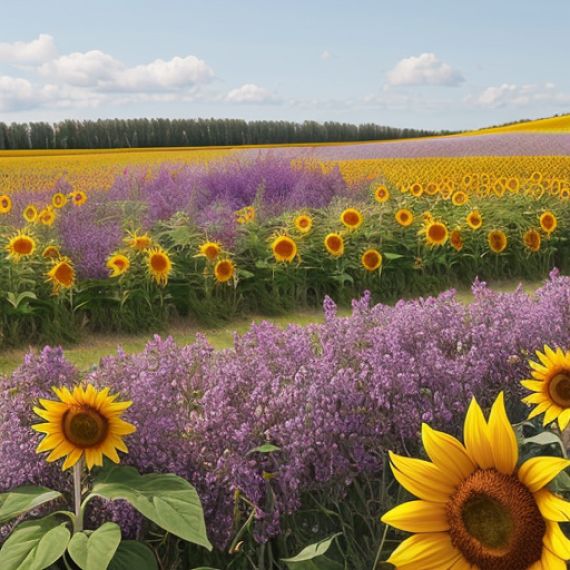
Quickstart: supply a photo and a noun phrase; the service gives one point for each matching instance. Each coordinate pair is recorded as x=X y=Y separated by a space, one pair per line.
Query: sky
x=437 y=64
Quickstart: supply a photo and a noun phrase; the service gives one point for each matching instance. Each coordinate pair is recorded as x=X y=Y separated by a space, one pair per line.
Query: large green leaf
x=166 y=499
x=34 y=545
x=132 y=555
x=95 y=551
x=23 y=499
x=312 y=557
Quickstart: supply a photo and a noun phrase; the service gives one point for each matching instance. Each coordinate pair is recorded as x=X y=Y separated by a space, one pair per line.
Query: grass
x=93 y=347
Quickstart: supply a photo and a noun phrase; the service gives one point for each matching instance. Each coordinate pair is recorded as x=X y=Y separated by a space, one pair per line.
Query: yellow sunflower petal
x=537 y=367
x=50 y=442
x=543 y=357
x=534 y=385
x=428 y=551
x=551 y=506
x=90 y=456
x=564 y=419
x=505 y=448
x=421 y=478
x=536 y=398
x=62 y=449
x=418 y=516
x=121 y=427
x=447 y=453
x=47 y=428
x=555 y=540
x=72 y=459
x=550 y=561
x=539 y=409
x=101 y=397
x=54 y=407
x=537 y=472
x=476 y=436
x=551 y=414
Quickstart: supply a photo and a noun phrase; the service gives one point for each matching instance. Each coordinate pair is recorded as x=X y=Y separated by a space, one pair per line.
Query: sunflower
x=476 y=508
x=284 y=248
x=210 y=250
x=78 y=197
x=551 y=383
x=513 y=185
x=245 y=215
x=61 y=275
x=59 y=200
x=21 y=245
x=137 y=241
x=536 y=177
x=467 y=180
x=85 y=423
x=51 y=252
x=497 y=241
x=404 y=217
x=459 y=198
x=47 y=216
x=532 y=239
x=159 y=265
x=334 y=244
x=431 y=189
x=351 y=218
x=118 y=264
x=371 y=260
x=381 y=193
x=548 y=222
x=303 y=223
x=5 y=204
x=30 y=213
x=474 y=219
x=224 y=270
x=435 y=233
x=456 y=240
x=416 y=190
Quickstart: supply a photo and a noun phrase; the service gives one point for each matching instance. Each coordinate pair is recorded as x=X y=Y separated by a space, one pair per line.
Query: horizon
x=408 y=65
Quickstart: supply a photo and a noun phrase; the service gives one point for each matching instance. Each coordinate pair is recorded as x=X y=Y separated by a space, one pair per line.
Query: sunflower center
x=495 y=522
x=84 y=427
x=559 y=389
x=437 y=232
x=158 y=263
x=23 y=246
x=64 y=274
x=351 y=218
x=284 y=248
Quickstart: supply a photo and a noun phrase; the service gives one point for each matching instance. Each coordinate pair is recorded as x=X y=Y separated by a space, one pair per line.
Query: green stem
x=77 y=471
x=380 y=547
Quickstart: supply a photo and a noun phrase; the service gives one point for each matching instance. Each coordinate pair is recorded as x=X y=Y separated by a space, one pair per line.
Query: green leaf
x=312 y=557
x=133 y=555
x=546 y=438
x=94 y=552
x=23 y=499
x=265 y=448
x=34 y=545
x=389 y=255
x=166 y=499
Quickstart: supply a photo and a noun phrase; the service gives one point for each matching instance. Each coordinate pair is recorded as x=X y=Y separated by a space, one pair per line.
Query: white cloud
x=28 y=53
x=509 y=94
x=326 y=55
x=91 y=68
x=425 y=69
x=250 y=93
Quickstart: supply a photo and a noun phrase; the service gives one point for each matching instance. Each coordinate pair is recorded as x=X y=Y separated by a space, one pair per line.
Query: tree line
x=140 y=133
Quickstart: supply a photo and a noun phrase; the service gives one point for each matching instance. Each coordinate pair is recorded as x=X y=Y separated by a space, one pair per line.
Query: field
x=345 y=257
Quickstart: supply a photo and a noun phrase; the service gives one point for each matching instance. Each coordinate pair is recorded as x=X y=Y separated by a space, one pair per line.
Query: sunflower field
x=265 y=230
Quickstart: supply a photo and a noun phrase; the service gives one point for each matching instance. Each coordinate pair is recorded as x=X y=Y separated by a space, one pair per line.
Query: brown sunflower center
x=64 y=274
x=158 y=262
x=224 y=269
x=559 y=389
x=334 y=243
x=436 y=232
x=371 y=259
x=547 y=221
x=23 y=245
x=5 y=203
x=495 y=522
x=284 y=248
x=84 y=427
x=351 y=218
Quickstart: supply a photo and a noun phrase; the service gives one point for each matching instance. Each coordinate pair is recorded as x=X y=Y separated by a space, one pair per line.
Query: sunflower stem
x=77 y=471
x=380 y=547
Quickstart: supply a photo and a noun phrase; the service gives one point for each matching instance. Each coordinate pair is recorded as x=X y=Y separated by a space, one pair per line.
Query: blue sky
x=409 y=63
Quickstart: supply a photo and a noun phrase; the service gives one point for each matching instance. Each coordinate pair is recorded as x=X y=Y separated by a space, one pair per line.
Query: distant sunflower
x=51 y=252
x=78 y=197
x=416 y=189
x=118 y=264
x=334 y=244
x=404 y=217
x=474 y=219
x=351 y=218
x=436 y=233
x=548 y=222
x=59 y=200
x=20 y=245
x=138 y=242
x=536 y=177
x=532 y=240
x=477 y=508
x=513 y=185
x=303 y=223
x=30 y=213
x=210 y=250
x=61 y=275
x=47 y=216
x=284 y=249
x=456 y=240
x=224 y=270
x=459 y=198
x=85 y=423
x=497 y=241
x=5 y=204
x=381 y=193
x=159 y=265
x=431 y=189
x=371 y=260
x=550 y=383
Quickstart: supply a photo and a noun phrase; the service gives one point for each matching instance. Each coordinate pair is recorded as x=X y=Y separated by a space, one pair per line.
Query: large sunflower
x=61 y=275
x=404 y=217
x=548 y=222
x=138 y=242
x=5 y=204
x=532 y=240
x=456 y=240
x=474 y=219
x=497 y=240
x=303 y=223
x=284 y=249
x=381 y=194
x=436 y=233
x=224 y=270
x=477 y=509
x=334 y=244
x=21 y=245
x=84 y=423
x=550 y=383
x=371 y=260
x=210 y=250
x=159 y=265
x=351 y=218
x=118 y=264
x=459 y=198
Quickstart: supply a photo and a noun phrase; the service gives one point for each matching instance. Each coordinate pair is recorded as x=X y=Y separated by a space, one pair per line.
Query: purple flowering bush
x=332 y=398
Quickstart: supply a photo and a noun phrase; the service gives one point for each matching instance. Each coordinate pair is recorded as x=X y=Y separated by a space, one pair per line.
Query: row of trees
x=126 y=133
